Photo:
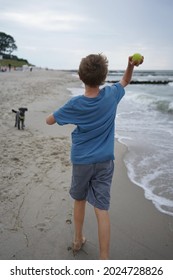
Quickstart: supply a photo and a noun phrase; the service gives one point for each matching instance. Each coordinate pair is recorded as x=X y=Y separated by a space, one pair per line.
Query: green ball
x=136 y=57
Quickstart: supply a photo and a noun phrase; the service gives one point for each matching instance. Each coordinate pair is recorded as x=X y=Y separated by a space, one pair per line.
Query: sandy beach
x=35 y=207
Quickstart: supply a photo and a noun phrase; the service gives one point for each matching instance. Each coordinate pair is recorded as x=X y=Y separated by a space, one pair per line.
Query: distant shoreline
x=158 y=82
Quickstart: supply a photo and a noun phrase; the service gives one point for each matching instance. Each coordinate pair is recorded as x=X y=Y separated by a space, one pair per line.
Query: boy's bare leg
x=79 y=215
x=103 y=232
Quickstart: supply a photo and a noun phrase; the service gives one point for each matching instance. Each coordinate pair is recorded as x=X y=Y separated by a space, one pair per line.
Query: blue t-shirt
x=93 y=137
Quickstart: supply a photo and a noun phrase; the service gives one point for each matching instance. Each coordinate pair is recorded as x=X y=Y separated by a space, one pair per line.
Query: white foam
x=170 y=107
x=153 y=177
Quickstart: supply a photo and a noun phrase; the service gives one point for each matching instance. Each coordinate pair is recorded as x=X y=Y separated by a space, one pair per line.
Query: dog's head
x=22 y=110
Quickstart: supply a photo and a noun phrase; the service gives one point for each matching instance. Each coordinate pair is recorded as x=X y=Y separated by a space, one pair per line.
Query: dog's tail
x=14 y=111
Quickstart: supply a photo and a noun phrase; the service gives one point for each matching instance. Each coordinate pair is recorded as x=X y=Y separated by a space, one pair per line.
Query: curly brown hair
x=93 y=69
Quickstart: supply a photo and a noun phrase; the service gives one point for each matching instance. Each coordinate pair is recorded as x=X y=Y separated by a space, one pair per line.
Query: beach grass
x=13 y=62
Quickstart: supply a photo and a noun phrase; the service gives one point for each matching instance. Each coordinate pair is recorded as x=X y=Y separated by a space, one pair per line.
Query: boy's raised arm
x=129 y=71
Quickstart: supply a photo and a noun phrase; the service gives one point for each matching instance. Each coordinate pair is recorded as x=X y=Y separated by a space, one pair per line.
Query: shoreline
x=145 y=232
x=36 y=209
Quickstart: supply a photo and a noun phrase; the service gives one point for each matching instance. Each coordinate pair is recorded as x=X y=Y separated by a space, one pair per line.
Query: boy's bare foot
x=77 y=245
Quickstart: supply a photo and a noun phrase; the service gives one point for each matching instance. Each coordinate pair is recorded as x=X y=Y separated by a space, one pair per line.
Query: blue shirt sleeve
x=65 y=115
x=119 y=91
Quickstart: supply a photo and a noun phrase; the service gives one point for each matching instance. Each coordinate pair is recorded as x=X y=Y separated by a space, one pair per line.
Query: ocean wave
x=144 y=125
x=152 y=180
x=163 y=106
x=151 y=101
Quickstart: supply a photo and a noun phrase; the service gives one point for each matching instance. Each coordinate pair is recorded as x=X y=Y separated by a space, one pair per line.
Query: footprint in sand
x=41 y=227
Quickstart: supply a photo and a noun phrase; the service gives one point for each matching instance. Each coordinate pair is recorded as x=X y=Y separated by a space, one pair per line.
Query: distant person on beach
x=92 y=152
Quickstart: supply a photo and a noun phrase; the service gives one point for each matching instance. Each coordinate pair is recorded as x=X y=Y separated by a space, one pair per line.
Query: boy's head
x=93 y=70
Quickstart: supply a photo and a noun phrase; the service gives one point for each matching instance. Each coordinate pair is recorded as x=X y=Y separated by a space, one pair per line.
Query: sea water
x=144 y=123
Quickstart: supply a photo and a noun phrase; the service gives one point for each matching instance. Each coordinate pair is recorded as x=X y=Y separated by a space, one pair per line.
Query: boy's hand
x=129 y=70
x=50 y=119
x=135 y=63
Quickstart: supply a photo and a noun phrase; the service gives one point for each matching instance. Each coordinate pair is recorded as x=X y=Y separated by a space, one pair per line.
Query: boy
x=92 y=152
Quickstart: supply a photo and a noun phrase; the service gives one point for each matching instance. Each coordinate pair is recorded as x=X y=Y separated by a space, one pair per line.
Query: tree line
x=8 y=46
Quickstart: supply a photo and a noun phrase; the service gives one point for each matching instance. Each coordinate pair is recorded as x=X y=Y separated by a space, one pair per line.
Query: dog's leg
x=18 y=120
x=15 y=121
x=22 y=122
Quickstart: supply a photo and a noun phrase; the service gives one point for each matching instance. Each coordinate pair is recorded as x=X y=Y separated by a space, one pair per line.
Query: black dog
x=20 y=117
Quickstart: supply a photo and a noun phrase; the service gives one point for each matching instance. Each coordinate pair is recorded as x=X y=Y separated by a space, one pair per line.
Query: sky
x=58 y=33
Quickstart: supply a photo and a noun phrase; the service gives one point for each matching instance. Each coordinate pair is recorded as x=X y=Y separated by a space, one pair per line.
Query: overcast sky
x=58 y=33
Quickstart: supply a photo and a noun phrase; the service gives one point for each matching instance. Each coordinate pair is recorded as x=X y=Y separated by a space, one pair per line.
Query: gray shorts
x=92 y=182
